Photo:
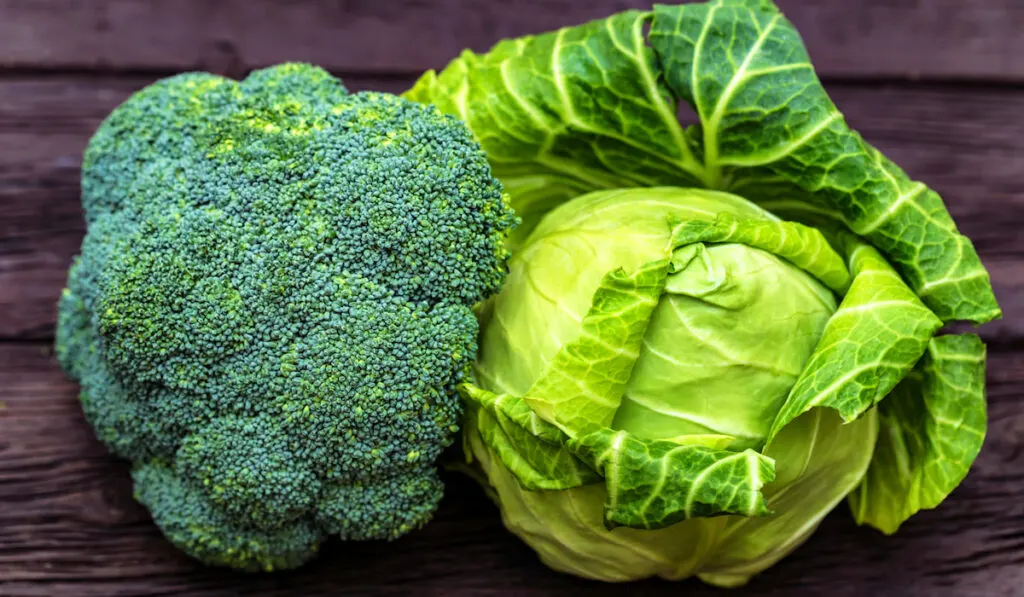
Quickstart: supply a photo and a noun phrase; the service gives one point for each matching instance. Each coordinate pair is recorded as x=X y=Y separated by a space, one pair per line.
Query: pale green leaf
x=713 y=441
x=534 y=195
x=583 y=386
x=803 y=246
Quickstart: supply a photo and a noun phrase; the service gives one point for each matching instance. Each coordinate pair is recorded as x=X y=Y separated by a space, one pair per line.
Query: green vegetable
x=711 y=334
x=273 y=306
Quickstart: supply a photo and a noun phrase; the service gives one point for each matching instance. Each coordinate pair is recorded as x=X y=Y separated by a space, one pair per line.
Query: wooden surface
x=862 y=38
x=936 y=84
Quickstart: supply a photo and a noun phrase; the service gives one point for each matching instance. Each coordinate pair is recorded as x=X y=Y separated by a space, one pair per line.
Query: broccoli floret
x=273 y=305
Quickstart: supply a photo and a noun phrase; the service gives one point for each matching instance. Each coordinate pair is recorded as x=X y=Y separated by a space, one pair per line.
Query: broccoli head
x=273 y=305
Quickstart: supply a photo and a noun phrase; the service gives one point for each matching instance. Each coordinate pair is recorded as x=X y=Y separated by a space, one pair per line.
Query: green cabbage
x=713 y=334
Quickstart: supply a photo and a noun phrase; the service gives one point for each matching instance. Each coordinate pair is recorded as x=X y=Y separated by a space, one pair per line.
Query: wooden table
x=936 y=84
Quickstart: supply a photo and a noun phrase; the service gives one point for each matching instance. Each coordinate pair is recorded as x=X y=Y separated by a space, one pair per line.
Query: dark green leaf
x=656 y=483
x=932 y=428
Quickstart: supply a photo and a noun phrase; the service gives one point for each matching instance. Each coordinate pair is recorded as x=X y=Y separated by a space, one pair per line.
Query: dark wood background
x=936 y=84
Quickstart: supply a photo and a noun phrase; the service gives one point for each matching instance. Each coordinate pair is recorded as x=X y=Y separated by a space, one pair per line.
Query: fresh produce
x=711 y=334
x=273 y=305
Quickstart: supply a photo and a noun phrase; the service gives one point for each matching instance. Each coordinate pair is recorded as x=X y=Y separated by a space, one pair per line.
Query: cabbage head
x=711 y=334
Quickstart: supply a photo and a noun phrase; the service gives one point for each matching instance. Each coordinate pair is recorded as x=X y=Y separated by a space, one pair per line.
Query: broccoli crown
x=273 y=305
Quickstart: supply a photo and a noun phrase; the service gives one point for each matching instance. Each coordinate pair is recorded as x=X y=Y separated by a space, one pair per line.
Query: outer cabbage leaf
x=583 y=386
x=533 y=449
x=874 y=339
x=653 y=484
x=650 y=484
x=543 y=108
x=819 y=460
x=932 y=428
x=769 y=131
x=594 y=107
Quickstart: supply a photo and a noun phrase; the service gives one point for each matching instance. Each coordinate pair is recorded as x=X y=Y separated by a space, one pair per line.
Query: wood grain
x=976 y=39
x=966 y=143
x=68 y=525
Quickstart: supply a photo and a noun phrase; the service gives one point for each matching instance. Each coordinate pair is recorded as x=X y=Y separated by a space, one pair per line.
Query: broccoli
x=273 y=305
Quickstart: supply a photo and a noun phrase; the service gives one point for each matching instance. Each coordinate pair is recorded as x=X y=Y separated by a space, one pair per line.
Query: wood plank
x=968 y=144
x=68 y=525
x=871 y=38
